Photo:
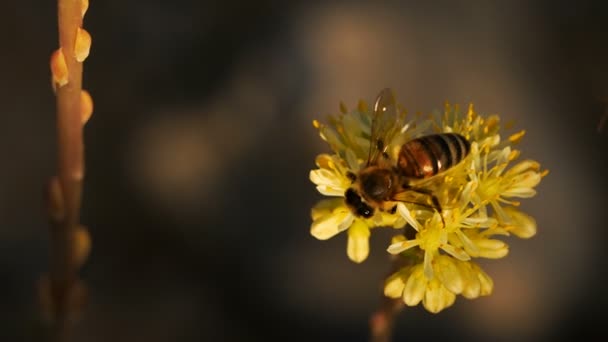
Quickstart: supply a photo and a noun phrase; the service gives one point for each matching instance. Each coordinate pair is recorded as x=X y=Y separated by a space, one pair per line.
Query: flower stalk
x=62 y=292
x=382 y=321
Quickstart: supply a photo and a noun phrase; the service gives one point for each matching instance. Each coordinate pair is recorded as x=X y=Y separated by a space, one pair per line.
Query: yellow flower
x=453 y=277
x=452 y=237
x=330 y=177
x=476 y=197
x=348 y=135
x=430 y=239
x=330 y=217
x=357 y=248
x=476 y=282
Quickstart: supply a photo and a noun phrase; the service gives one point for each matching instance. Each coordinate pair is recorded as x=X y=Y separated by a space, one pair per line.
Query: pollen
x=316 y=124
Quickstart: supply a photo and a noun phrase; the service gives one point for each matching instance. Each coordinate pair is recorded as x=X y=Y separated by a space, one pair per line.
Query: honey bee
x=383 y=182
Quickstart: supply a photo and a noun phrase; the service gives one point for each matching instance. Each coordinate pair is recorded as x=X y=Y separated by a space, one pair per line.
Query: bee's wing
x=386 y=122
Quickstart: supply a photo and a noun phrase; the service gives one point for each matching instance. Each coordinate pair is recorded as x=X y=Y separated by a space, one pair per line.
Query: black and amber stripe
x=429 y=155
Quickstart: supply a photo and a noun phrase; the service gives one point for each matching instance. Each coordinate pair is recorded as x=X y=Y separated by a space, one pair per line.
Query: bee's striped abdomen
x=429 y=155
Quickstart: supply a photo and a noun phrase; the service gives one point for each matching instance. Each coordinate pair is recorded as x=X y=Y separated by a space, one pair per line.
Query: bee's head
x=376 y=184
x=354 y=201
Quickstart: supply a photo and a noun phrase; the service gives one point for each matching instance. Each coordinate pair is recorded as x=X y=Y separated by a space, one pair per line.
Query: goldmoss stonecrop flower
x=476 y=197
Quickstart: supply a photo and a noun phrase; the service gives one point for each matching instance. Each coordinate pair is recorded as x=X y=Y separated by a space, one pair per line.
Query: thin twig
x=70 y=169
x=382 y=321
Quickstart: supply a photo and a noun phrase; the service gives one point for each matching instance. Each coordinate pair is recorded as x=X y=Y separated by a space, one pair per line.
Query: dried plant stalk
x=383 y=320
x=65 y=190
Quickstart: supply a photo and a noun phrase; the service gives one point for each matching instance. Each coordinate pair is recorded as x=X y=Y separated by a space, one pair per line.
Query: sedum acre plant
x=448 y=186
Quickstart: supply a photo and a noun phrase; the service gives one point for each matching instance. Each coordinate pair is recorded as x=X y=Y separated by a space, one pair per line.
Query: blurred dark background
x=197 y=193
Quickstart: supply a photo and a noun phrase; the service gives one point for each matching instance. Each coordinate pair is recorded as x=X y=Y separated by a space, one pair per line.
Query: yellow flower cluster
x=477 y=197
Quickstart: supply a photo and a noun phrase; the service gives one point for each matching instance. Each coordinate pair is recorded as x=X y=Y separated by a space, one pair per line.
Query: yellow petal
x=472 y=286
x=328 y=183
x=330 y=178
x=523 y=166
x=467 y=243
x=522 y=225
x=469 y=188
x=415 y=286
x=82 y=46
x=490 y=141
x=449 y=274
x=457 y=253
x=502 y=157
x=328 y=225
x=398 y=238
x=437 y=297
x=492 y=248
x=428 y=264
x=59 y=68
x=394 y=285
x=521 y=184
x=407 y=215
x=86 y=106
x=521 y=192
x=357 y=247
x=401 y=246
x=325 y=207
x=486 y=283
x=329 y=190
